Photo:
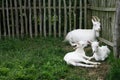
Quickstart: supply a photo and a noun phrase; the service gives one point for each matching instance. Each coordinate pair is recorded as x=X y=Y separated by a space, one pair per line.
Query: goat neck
x=97 y=30
x=80 y=50
x=98 y=51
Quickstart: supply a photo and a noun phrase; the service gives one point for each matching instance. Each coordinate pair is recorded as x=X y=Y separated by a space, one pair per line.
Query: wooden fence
x=19 y=18
x=34 y=18
x=105 y=10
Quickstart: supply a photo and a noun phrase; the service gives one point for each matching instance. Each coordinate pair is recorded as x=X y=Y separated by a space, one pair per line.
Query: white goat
x=100 y=53
x=78 y=57
x=84 y=34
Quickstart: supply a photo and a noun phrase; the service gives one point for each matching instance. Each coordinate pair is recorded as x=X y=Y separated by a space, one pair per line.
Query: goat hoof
x=96 y=66
x=98 y=63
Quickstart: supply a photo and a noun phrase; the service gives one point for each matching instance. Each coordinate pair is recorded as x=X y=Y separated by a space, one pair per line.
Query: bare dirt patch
x=99 y=72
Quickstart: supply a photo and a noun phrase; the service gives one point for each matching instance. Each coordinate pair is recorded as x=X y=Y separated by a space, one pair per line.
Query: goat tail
x=67 y=38
x=64 y=40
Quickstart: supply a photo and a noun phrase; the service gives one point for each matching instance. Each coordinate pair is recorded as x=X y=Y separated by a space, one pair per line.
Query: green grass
x=114 y=70
x=42 y=59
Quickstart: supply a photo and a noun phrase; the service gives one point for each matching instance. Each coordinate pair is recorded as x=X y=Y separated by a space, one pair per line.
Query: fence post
x=0 y=23
x=116 y=31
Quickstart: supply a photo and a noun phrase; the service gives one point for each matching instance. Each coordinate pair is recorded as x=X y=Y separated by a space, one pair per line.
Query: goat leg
x=90 y=62
x=86 y=65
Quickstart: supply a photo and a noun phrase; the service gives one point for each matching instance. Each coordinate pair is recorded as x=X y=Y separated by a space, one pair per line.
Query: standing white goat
x=99 y=53
x=78 y=57
x=84 y=34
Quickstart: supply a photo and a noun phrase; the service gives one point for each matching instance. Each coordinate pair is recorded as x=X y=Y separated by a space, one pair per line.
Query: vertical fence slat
x=107 y=22
x=26 y=19
x=104 y=28
x=21 y=19
x=112 y=25
x=16 y=18
x=55 y=17
x=3 y=13
x=35 y=18
x=12 y=20
x=65 y=18
x=30 y=22
x=40 y=18
x=49 y=15
x=44 y=27
x=74 y=13
x=59 y=18
x=109 y=26
x=8 y=23
x=85 y=13
x=70 y=22
x=80 y=18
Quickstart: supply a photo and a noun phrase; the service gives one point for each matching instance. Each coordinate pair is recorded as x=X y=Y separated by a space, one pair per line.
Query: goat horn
x=93 y=17
x=97 y=18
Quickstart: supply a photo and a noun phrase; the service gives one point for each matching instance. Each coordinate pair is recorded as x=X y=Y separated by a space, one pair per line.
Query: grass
x=42 y=59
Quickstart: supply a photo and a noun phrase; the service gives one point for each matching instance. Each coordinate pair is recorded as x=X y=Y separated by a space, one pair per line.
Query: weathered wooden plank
x=107 y=25
x=3 y=14
x=35 y=17
x=12 y=20
x=116 y=35
x=103 y=3
x=30 y=15
x=102 y=9
x=44 y=22
x=7 y=16
x=113 y=27
x=37 y=7
x=112 y=23
x=106 y=41
x=104 y=27
x=65 y=18
x=49 y=15
x=59 y=18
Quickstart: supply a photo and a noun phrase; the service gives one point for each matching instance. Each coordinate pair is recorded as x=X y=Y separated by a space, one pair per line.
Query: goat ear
x=77 y=43
x=99 y=42
x=88 y=42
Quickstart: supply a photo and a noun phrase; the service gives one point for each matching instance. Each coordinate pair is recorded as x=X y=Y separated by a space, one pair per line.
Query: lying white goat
x=78 y=57
x=84 y=34
x=99 y=53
